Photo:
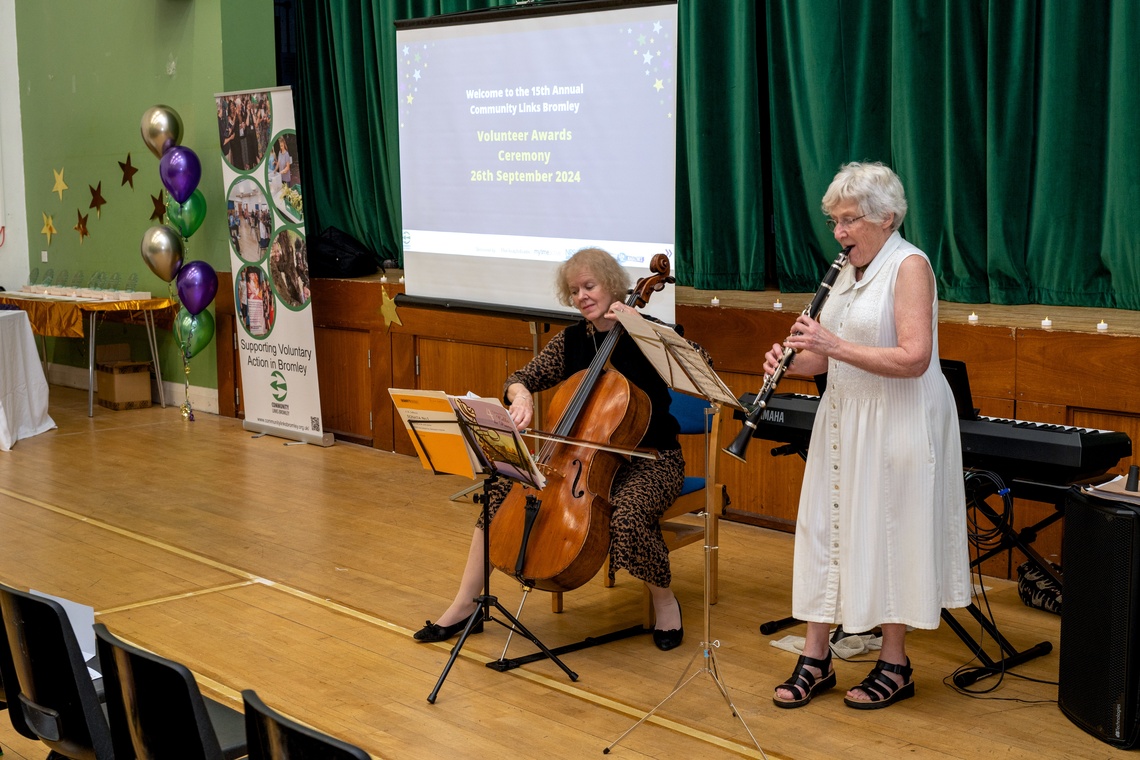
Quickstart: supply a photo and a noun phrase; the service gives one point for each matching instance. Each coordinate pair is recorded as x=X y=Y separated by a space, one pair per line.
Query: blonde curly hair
x=601 y=264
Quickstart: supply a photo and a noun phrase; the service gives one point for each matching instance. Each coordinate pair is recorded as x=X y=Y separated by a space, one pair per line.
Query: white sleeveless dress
x=881 y=529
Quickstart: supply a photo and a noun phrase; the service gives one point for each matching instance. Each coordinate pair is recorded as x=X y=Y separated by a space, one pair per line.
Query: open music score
x=465 y=435
x=682 y=368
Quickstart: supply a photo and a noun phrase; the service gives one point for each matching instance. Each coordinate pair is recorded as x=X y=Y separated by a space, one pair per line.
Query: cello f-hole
x=575 y=491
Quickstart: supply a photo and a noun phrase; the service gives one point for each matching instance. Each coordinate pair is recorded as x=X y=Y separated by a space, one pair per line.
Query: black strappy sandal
x=881 y=690
x=805 y=683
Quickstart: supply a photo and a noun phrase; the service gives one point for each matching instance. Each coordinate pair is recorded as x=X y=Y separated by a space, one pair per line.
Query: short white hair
x=873 y=187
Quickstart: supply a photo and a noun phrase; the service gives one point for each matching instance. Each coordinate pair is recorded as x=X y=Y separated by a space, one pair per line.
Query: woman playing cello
x=593 y=282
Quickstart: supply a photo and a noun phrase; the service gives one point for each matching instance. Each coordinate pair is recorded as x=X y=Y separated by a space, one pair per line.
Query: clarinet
x=740 y=444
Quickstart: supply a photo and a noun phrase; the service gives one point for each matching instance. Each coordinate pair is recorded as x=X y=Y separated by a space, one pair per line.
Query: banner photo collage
x=265 y=215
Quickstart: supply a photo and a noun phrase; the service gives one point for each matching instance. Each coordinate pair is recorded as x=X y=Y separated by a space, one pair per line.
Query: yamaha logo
x=775 y=416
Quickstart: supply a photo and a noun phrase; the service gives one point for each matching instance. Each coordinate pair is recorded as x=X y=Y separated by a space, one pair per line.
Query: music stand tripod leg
x=708 y=645
x=485 y=601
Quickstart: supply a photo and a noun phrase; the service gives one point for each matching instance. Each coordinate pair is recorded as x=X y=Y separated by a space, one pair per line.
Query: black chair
x=272 y=736
x=9 y=688
x=155 y=709
x=56 y=695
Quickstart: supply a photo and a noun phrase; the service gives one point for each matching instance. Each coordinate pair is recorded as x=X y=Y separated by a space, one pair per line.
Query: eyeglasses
x=845 y=223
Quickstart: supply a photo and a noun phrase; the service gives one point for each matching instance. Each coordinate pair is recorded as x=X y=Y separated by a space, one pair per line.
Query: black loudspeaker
x=1098 y=683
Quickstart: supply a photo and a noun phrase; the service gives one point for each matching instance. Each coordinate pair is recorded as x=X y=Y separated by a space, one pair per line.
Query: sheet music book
x=1114 y=490
x=681 y=366
x=465 y=435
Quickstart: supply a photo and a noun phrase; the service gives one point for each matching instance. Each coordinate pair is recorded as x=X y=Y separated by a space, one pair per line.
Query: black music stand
x=684 y=369
x=496 y=461
x=485 y=601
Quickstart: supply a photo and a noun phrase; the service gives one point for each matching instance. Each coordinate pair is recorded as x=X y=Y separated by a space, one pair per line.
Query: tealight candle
x=778 y=306
x=715 y=301
x=401 y=279
x=383 y=278
x=972 y=318
x=1102 y=326
x=1046 y=322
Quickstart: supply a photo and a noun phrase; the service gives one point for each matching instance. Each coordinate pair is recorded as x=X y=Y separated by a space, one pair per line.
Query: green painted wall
x=88 y=71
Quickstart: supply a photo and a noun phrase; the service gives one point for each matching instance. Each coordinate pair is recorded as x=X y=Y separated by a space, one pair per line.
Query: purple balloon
x=197 y=286
x=180 y=171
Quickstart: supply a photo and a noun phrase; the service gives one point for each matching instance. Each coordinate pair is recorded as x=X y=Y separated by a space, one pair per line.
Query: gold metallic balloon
x=161 y=249
x=161 y=128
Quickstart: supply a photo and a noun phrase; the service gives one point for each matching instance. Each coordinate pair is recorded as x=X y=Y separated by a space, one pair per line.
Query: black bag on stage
x=335 y=253
x=1037 y=589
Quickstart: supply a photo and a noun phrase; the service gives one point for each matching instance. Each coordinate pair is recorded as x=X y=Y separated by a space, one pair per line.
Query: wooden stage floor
x=302 y=572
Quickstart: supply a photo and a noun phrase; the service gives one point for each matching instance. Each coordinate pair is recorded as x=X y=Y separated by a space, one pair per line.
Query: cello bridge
x=547 y=470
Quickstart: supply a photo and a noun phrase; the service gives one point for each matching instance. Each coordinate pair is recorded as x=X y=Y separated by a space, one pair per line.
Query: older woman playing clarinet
x=881 y=529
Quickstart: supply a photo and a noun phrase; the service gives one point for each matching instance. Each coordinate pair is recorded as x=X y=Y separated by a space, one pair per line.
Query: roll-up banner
x=265 y=214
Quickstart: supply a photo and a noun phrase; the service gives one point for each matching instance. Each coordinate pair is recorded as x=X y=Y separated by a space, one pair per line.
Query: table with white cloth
x=23 y=387
x=63 y=317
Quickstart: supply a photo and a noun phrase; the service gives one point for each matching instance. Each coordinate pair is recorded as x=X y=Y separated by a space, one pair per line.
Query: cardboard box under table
x=123 y=384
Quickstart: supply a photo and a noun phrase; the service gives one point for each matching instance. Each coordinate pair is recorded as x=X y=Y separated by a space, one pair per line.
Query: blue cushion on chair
x=691 y=485
x=689 y=412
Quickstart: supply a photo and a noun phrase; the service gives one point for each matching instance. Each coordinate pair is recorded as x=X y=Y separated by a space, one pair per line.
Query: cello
x=557 y=538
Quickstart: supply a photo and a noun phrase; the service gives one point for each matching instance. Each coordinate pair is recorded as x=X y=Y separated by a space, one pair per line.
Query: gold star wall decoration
x=97 y=200
x=128 y=172
x=159 y=207
x=81 y=226
x=388 y=309
x=49 y=228
x=60 y=185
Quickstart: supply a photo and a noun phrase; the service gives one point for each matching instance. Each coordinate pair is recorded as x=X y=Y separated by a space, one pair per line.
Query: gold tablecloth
x=62 y=318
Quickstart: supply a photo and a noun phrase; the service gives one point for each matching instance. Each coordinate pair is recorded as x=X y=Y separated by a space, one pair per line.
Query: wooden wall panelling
x=1079 y=370
x=384 y=417
x=345 y=382
x=229 y=373
x=737 y=339
x=459 y=368
x=225 y=337
x=353 y=304
x=990 y=357
x=403 y=371
x=459 y=352
x=346 y=316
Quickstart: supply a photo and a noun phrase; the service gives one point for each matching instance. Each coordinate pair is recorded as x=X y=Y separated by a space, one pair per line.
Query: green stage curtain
x=1064 y=179
x=720 y=187
x=1012 y=123
x=896 y=82
x=347 y=113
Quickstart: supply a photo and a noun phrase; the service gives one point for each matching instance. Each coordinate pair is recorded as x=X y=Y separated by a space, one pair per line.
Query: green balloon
x=187 y=217
x=193 y=331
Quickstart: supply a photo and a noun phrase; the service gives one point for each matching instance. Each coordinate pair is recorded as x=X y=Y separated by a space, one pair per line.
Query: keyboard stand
x=1011 y=657
x=1022 y=540
x=1011 y=538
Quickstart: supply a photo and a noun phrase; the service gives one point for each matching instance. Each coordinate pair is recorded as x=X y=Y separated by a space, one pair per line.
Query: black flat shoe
x=671 y=639
x=432 y=632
